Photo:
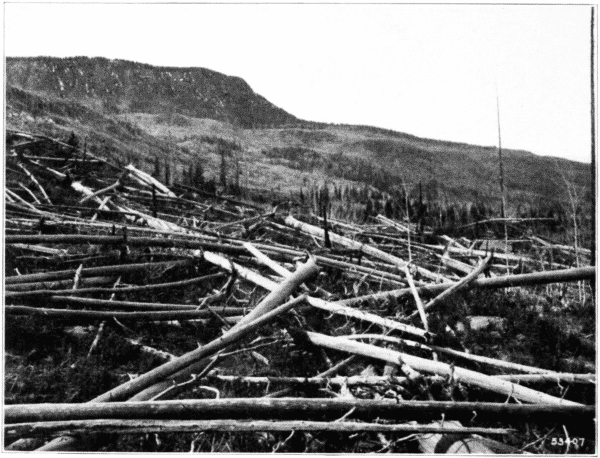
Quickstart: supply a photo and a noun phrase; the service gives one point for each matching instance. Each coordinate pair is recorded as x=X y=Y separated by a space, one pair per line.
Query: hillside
x=282 y=286
x=139 y=112
x=117 y=86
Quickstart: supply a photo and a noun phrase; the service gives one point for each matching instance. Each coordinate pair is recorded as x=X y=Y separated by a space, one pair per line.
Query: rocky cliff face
x=117 y=86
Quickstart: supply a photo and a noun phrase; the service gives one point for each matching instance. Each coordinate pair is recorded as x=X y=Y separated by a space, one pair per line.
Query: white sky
x=427 y=70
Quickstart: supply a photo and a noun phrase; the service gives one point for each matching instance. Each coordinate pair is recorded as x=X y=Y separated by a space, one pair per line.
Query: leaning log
x=332 y=307
x=505 y=281
x=367 y=249
x=458 y=354
x=241 y=330
x=244 y=327
x=459 y=374
x=149 y=383
x=463 y=283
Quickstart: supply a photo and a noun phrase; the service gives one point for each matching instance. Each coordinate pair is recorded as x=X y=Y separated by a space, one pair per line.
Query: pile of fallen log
x=88 y=242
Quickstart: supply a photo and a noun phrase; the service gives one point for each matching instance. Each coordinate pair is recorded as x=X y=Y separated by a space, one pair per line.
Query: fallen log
x=127 y=289
x=276 y=267
x=338 y=309
x=279 y=292
x=549 y=378
x=170 y=315
x=459 y=374
x=100 y=303
x=17 y=430
x=505 y=281
x=121 y=268
x=459 y=354
x=307 y=228
x=418 y=302
x=266 y=261
x=30 y=192
x=180 y=240
x=463 y=283
x=555 y=246
x=288 y=408
x=332 y=307
x=241 y=330
x=555 y=377
x=333 y=370
x=38 y=288
x=354 y=380
x=115 y=185
x=392 y=223
x=325 y=261
x=151 y=382
x=148 y=180
x=131 y=241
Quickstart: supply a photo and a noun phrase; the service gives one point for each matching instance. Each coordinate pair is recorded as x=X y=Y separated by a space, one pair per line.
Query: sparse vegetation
x=238 y=182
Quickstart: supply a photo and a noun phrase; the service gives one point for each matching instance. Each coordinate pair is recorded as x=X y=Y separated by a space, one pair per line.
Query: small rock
x=480 y=323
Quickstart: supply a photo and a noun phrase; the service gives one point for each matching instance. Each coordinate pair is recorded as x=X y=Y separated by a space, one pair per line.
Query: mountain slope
x=138 y=112
x=117 y=86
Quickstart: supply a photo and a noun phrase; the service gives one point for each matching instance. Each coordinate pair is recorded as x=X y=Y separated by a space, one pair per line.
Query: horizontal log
x=14 y=431
x=131 y=241
x=187 y=241
x=287 y=408
x=354 y=380
x=505 y=281
x=60 y=159
x=549 y=378
x=100 y=303
x=116 y=269
x=171 y=315
x=387 y=380
x=38 y=287
x=128 y=289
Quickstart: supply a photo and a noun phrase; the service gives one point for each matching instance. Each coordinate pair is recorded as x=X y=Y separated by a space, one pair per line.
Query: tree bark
x=537 y=278
x=193 y=426
x=290 y=408
x=459 y=374
x=367 y=249
x=60 y=274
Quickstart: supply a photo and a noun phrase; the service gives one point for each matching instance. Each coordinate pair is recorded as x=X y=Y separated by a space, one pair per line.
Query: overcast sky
x=428 y=70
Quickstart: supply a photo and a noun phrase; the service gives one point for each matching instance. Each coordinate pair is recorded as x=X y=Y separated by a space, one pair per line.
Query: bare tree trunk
x=80 y=427
x=423 y=365
x=536 y=278
x=286 y=408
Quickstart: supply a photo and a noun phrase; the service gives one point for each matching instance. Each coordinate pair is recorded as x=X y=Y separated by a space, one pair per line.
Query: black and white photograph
x=299 y=228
